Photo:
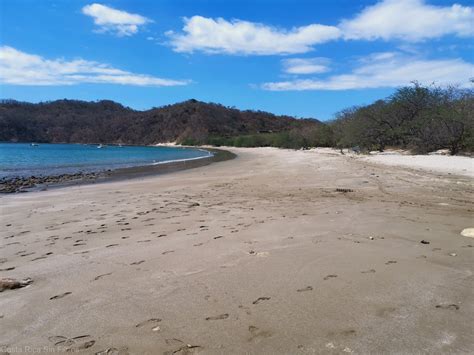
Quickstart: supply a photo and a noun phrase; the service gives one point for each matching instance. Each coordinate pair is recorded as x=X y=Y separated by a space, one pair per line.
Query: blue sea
x=27 y=159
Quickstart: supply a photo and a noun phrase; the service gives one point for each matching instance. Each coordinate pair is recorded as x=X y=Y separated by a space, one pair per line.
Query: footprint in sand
x=101 y=276
x=181 y=347
x=307 y=288
x=152 y=322
x=198 y=244
x=111 y=245
x=256 y=333
x=113 y=351
x=60 y=296
x=80 y=342
x=219 y=317
x=262 y=254
x=452 y=307
x=137 y=262
x=390 y=262
x=219 y=236
x=329 y=277
x=260 y=299
x=371 y=271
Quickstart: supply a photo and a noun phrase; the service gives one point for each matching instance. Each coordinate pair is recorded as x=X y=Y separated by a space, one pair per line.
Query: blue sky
x=302 y=58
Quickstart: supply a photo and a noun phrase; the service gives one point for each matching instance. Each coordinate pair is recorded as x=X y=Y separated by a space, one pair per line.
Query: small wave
x=184 y=160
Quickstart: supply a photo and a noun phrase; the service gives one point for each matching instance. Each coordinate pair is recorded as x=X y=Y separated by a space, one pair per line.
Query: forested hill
x=73 y=121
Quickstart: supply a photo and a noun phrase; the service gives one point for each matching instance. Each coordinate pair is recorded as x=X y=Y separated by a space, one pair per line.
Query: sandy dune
x=257 y=255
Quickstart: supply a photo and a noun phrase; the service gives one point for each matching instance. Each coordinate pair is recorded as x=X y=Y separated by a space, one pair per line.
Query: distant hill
x=72 y=121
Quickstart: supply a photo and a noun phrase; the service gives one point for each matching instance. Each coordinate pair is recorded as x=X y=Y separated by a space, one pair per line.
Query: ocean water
x=25 y=159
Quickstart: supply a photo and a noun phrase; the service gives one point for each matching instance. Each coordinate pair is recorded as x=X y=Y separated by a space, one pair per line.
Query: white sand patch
x=437 y=163
x=468 y=232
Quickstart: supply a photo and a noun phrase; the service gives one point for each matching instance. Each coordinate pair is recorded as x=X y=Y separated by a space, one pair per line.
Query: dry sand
x=456 y=165
x=257 y=255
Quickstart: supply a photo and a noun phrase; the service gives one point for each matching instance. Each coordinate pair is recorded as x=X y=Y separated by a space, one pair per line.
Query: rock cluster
x=22 y=184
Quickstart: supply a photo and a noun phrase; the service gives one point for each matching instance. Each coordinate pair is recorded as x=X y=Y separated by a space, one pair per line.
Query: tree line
x=416 y=117
x=419 y=118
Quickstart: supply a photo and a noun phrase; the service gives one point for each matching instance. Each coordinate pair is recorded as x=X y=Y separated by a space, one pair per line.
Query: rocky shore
x=24 y=184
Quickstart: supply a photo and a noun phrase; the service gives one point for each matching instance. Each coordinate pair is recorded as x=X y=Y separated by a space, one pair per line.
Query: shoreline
x=42 y=183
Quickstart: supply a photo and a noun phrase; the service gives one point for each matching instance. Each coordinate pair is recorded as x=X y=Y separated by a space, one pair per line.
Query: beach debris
x=11 y=284
x=453 y=254
x=452 y=306
x=329 y=277
x=194 y=204
x=425 y=242
x=151 y=321
x=344 y=190
x=468 y=232
x=307 y=288
x=371 y=238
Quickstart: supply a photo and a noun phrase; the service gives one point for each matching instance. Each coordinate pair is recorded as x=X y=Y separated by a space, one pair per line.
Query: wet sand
x=276 y=251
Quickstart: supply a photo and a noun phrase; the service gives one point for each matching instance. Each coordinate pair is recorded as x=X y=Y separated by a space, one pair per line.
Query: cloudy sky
x=303 y=58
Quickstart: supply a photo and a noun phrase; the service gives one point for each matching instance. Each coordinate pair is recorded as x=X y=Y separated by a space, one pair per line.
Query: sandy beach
x=273 y=252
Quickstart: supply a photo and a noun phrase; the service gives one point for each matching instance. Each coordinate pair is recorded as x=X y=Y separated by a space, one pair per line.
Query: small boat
x=34 y=144
x=100 y=146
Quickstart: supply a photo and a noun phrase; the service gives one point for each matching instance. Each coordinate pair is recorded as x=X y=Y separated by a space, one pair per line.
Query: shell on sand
x=468 y=232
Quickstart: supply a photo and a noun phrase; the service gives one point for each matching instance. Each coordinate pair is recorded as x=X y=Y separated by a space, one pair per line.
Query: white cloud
x=243 y=38
x=20 y=68
x=386 y=70
x=115 y=21
x=305 y=65
x=410 y=20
